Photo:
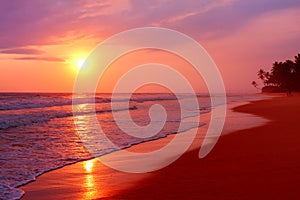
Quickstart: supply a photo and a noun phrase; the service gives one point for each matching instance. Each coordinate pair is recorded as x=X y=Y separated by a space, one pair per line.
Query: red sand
x=256 y=163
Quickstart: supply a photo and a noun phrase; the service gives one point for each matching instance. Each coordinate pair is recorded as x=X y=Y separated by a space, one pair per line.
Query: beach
x=255 y=163
x=149 y=100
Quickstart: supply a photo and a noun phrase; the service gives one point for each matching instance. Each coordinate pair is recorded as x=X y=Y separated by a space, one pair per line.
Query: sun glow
x=80 y=63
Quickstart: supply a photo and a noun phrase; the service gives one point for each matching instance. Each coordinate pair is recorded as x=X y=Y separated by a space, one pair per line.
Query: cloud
x=22 y=51
x=48 y=22
x=102 y=8
x=49 y=59
x=35 y=22
x=201 y=8
x=221 y=18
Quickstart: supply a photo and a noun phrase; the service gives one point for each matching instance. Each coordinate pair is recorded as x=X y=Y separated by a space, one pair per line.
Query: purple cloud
x=36 y=22
x=50 y=59
x=22 y=51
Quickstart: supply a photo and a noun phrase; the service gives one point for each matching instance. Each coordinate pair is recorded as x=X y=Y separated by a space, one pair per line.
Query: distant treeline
x=283 y=77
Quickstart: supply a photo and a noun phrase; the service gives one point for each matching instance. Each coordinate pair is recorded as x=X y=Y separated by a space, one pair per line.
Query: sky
x=41 y=41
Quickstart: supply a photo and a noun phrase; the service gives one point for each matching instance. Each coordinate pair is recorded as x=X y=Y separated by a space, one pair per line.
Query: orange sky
x=41 y=41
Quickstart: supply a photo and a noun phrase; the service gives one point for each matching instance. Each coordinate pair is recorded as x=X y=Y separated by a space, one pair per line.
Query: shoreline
x=36 y=188
x=257 y=163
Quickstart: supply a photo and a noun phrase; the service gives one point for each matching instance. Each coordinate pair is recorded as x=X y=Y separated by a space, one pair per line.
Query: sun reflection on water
x=90 y=183
x=88 y=165
x=91 y=190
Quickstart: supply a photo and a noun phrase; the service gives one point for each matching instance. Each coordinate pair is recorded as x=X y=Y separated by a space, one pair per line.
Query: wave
x=12 y=192
x=25 y=101
x=42 y=143
x=16 y=120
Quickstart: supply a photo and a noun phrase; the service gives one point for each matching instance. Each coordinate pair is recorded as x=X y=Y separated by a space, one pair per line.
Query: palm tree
x=284 y=76
x=261 y=74
x=255 y=84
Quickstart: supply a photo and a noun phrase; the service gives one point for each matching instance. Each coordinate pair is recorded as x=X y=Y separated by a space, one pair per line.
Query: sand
x=254 y=163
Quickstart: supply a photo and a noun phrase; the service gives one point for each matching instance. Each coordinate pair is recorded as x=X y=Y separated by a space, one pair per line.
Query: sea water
x=37 y=131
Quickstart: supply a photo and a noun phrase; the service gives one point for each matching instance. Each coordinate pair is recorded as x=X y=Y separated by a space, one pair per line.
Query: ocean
x=37 y=131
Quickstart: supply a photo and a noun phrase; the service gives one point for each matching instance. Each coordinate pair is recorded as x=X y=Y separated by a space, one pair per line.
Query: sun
x=80 y=63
